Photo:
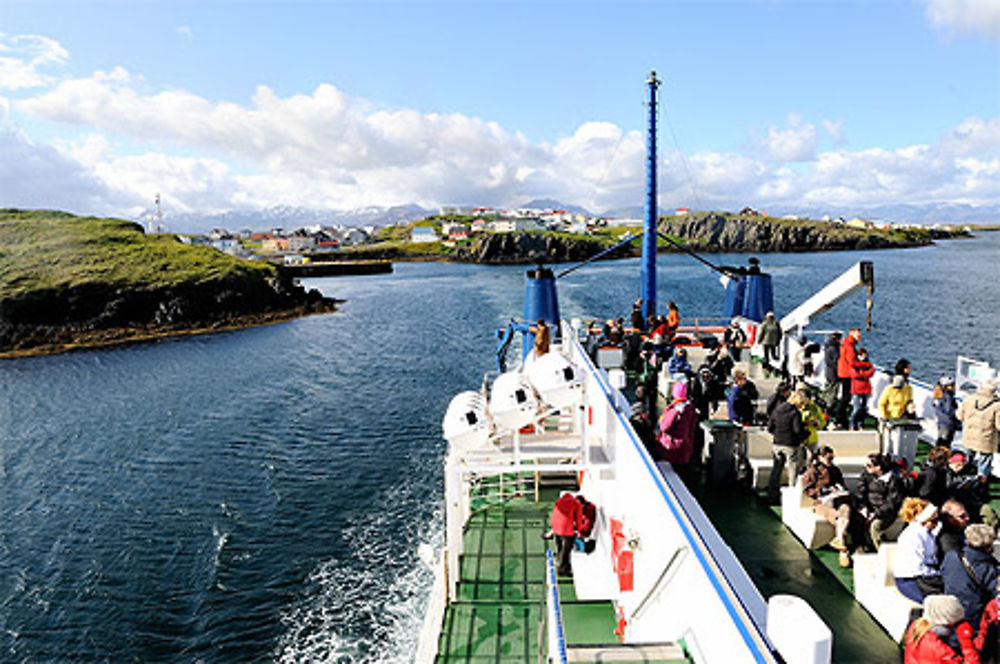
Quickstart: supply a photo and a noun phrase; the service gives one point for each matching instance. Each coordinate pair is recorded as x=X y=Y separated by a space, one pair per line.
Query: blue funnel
x=540 y=302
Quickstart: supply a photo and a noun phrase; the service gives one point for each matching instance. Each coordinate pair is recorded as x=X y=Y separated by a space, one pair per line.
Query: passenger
x=677 y=427
x=659 y=335
x=861 y=388
x=927 y=639
x=878 y=496
x=902 y=368
x=543 y=337
x=781 y=392
x=641 y=423
x=954 y=520
x=845 y=361
x=945 y=408
x=769 y=336
x=824 y=484
x=734 y=339
x=896 y=400
x=638 y=322
x=788 y=434
x=932 y=483
x=812 y=418
x=678 y=367
x=797 y=361
x=980 y=417
x=705 y=392
x=831 y=386
x=566 y=521
x=972 y=574
x=740 y=399
x=673 y=320
x=966 y=485
x=916 y=567
x=721 y=364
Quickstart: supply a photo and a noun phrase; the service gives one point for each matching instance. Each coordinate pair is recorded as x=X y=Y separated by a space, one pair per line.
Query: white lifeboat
x=466 y=424
x=556 y=380
x=513 y=403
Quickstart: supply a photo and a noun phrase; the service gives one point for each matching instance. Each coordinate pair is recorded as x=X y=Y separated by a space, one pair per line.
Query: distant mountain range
x=290 y=218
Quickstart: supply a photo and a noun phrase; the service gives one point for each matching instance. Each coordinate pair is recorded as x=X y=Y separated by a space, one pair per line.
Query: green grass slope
x=46 y=250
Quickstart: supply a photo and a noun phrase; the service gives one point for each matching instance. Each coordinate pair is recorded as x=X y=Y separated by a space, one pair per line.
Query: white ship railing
x=556 y=633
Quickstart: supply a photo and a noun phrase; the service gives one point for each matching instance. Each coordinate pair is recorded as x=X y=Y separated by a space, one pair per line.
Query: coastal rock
x=716 y=232
x=515 y=248
x=99 y=313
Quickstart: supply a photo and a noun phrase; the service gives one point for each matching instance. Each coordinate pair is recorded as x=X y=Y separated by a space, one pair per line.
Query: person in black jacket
x=831 y=355
x=787 y=433
x=933 y=479
x=878 y=496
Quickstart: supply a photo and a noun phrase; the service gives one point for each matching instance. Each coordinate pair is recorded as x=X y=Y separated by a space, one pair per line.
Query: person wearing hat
x=677 y=427
x=896 y=400
x=971 y=574
x=927 y=639
x=945 y=407
x=734 y=339
x=916 y=565
x=980 y=417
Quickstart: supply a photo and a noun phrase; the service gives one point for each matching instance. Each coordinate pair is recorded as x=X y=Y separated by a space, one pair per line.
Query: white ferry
x=680 y=571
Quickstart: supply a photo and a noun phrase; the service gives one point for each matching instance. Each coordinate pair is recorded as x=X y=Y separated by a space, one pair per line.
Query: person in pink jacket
x=677 y=427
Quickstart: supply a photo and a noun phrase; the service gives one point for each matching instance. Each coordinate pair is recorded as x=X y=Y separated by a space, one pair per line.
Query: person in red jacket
x=861 y=388
x=566 y=522
x=927 y=638
x=844 y=363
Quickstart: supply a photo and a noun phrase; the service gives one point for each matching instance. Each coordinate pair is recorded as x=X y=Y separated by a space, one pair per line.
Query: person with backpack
x=972 y=574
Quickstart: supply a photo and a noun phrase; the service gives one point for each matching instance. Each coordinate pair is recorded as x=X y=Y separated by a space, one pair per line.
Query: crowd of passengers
x=944 y=556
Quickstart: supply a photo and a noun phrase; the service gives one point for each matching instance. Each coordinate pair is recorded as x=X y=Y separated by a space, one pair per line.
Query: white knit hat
x=943 y=609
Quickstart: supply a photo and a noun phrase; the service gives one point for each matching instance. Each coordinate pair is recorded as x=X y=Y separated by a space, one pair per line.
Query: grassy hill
x=45 y=250
x=69 y=282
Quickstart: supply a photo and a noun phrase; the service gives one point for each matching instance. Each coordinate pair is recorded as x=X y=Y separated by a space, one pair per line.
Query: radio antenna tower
x=159 y=214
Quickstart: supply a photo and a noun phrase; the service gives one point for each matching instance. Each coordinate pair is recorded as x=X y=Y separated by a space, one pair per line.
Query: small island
x=69 y=282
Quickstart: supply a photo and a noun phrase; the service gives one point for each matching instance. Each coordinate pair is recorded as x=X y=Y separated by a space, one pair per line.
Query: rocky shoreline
x=100 y=315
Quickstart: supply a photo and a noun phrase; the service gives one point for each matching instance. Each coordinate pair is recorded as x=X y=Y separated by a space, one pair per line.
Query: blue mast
x=648 y=274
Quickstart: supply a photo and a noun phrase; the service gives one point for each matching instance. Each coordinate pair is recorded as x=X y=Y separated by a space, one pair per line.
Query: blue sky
x=224 y=105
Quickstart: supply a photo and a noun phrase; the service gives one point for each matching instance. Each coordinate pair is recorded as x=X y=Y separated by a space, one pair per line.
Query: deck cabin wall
x=704 y=597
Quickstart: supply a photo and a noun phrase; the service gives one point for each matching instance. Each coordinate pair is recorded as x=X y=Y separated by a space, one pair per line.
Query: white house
x=423 y=234
x=512 y=225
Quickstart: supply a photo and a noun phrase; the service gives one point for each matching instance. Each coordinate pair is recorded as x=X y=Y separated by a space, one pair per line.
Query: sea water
x=260 y=495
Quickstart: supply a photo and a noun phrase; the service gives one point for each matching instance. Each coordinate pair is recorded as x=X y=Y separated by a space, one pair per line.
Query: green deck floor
x=499 y=614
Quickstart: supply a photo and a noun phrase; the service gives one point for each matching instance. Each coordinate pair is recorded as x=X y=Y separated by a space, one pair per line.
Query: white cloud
x=965 y=16
x=22 y=57
x=185 y=31
x=327 y=149
x=796 y=143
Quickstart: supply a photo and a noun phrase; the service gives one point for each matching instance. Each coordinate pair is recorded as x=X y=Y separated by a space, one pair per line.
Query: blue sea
x=260 y=495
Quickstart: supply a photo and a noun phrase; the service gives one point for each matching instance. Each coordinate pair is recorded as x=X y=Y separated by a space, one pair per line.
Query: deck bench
x=875 y=590
x=850 y=448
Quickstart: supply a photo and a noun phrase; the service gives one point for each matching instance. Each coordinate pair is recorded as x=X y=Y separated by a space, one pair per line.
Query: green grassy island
x=69 y=282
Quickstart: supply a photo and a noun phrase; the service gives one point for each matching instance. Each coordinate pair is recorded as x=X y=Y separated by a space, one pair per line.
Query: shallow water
x=260 y=495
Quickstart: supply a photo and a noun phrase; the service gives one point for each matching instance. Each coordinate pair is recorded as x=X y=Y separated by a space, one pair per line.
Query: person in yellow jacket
x=896 y=400
x=812 y=418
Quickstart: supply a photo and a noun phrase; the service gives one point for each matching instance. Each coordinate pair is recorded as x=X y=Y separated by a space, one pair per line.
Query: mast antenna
x=648 y=272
